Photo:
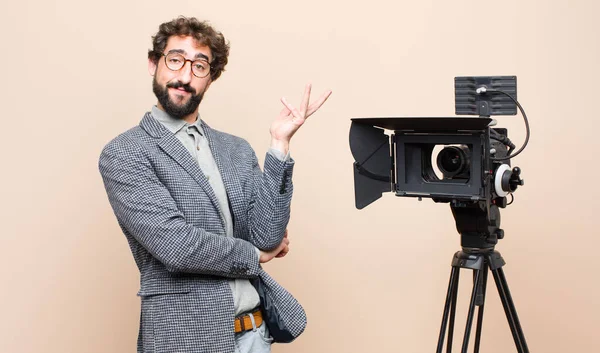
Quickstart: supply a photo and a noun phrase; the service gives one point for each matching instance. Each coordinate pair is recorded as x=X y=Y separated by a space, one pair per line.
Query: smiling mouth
x=181 y=91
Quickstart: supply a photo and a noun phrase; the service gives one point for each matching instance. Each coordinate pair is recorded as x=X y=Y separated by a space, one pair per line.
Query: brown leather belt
x=244 y=323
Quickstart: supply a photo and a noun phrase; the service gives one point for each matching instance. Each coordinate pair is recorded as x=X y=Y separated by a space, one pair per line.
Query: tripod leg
x=480 y=311
x=450 y=300
x=478 y=276
x=509 y=309
x=453 y=312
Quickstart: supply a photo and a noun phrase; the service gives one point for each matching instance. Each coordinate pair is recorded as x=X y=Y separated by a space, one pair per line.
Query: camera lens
x=453 y=161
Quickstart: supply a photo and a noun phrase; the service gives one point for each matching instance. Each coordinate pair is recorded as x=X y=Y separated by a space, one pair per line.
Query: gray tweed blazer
x=170 y=216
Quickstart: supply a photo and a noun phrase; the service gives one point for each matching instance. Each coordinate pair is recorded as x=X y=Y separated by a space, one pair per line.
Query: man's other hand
x=280 y=251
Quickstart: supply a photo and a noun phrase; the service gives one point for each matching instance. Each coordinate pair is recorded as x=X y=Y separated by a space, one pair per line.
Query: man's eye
x=200 y=66
x=175 y=60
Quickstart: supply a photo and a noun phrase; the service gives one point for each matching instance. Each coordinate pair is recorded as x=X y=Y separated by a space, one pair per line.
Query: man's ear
x=151 y=67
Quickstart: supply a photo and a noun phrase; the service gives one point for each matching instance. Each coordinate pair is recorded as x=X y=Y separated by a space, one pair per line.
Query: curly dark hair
x=202 y=32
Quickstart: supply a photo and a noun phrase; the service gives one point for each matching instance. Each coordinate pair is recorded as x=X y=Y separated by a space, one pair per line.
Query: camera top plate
x=427 y=124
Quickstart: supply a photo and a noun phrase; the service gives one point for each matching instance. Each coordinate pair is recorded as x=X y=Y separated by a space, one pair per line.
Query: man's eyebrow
x=182 y=52
x=202 y=56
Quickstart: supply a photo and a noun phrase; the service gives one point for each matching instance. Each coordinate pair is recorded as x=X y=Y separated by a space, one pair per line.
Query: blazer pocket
x=183 y=318
x=158 y=286
x=165 y=321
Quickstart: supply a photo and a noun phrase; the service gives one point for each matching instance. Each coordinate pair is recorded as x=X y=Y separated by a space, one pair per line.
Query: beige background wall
x=74 y=76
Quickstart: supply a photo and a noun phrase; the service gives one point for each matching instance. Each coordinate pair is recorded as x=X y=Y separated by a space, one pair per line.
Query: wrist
x=282 y=146
x=258 y=253
x=263 y=257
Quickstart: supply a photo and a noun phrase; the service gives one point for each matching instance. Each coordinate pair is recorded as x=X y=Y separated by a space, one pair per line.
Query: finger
x=283 y=252
x=285 y=234
x=305 y=99
x=316 y=105
x=280 y=253
x=285 y=111
x=293 y=110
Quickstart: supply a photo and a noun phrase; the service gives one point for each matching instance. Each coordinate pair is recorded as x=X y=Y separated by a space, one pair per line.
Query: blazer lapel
x=173 y=147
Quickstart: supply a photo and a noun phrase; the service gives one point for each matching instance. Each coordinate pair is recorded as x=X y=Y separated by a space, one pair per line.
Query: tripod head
x=478 y=224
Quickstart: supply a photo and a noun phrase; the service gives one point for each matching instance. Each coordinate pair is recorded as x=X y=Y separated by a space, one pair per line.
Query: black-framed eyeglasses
x=175 y=61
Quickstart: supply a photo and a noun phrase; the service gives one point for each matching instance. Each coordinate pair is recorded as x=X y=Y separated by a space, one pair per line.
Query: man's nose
x=185 y=73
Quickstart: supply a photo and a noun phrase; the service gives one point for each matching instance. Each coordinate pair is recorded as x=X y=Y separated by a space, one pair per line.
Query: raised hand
x=290 y=119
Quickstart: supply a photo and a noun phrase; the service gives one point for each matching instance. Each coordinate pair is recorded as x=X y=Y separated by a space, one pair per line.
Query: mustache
x=186 y=87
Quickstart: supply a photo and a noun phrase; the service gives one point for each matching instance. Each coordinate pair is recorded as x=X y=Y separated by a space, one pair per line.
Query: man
x=199 y=214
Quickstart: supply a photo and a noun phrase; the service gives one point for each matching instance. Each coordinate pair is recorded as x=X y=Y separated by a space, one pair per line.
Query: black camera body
x=463 y=161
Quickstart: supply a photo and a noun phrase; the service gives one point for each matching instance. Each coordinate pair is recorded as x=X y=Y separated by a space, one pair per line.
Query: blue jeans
x=257 y=340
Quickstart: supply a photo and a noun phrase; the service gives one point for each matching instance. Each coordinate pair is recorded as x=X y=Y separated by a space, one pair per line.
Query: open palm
x=290 y=119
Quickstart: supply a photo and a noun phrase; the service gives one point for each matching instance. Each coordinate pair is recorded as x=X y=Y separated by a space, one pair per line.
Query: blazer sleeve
x=269 y=208
x=145 y=208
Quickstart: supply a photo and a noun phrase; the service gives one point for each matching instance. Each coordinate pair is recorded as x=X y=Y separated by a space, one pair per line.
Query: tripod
x=479 y=260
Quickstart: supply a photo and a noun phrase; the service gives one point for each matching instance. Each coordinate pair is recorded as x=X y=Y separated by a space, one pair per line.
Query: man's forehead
x=188 y=46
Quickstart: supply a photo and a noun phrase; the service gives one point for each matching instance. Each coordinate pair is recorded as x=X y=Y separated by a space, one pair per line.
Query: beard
x=176 y=110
